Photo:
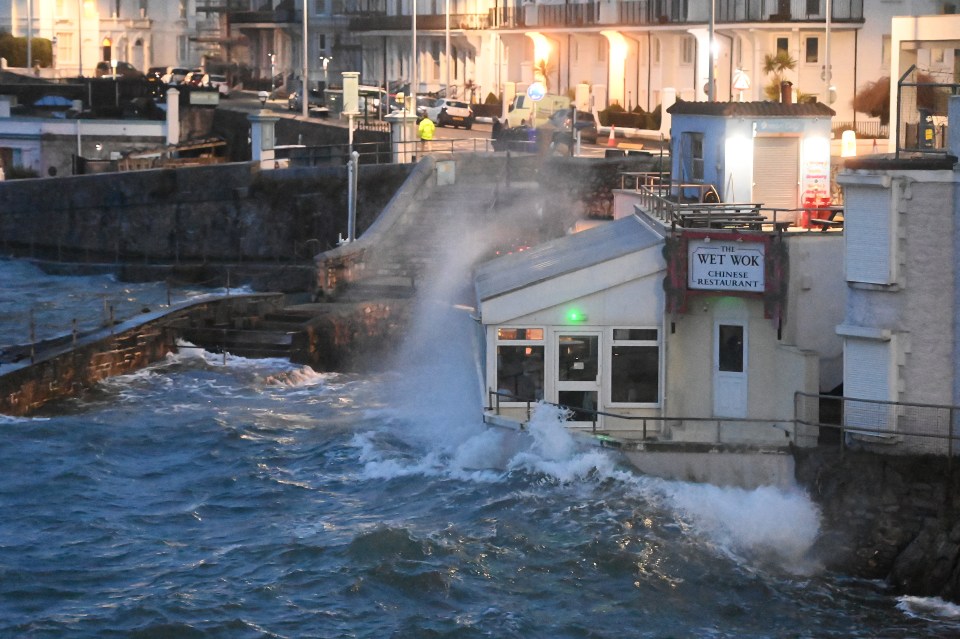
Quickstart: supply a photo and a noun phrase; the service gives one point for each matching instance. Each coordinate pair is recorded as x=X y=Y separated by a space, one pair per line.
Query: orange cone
x=611 y=141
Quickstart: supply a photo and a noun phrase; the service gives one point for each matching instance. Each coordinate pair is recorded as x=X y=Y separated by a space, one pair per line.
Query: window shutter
x=868 y=236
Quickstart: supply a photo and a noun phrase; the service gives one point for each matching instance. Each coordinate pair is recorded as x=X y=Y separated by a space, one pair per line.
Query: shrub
x=19 y=173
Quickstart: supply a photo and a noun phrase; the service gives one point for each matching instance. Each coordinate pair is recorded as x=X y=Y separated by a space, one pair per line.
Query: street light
x=305 y=78
x=80 y=34
x=273 y=73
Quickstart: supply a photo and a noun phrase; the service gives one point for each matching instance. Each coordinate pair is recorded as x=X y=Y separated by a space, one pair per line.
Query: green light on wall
x=576 y=316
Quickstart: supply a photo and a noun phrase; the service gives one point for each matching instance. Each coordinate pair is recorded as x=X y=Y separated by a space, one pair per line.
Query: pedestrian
x=425 y=129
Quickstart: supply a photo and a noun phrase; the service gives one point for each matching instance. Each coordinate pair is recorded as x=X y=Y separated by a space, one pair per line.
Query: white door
x=730 y=369
x=577 y=373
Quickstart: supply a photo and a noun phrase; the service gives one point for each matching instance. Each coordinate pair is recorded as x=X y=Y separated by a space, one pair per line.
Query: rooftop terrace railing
x=698 y=206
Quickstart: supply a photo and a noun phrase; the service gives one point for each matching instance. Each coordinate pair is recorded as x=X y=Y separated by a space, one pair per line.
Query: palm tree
x=778 y=65
x=541 y=71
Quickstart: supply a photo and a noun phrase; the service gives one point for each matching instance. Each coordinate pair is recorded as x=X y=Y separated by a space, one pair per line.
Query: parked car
x=423 y=102
x=454 y=113
x=219 y=82
x=175 y=75
x=558 y=126
x=123 y=70
x=196 y=78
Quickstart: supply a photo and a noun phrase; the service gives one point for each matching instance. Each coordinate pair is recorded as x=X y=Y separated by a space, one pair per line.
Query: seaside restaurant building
x=676 y=322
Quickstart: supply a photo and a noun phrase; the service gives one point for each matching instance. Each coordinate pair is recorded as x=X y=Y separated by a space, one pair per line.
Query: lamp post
x=29 y=33
x=273 y=66
x=711 y=91
x=413 y=59
x=80 y=35
x=305 y=79
x=446 y=36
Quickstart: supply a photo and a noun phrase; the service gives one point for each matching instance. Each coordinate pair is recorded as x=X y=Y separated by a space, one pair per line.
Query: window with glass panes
x=635 y=366
x=520 y=364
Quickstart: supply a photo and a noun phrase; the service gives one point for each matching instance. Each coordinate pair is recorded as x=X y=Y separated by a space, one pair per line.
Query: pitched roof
x=751 y=109
x=563 y=255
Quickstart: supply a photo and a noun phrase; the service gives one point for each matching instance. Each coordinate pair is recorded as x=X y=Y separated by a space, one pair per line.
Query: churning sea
x=211 y=496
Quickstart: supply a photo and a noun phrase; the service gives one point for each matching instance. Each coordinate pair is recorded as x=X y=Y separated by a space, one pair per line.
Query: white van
x=522 y=109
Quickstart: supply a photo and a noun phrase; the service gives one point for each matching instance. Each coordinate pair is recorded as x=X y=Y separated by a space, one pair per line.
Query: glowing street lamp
x=273 y=67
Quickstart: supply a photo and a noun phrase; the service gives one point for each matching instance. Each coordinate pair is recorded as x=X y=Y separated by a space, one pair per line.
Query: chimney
x=786 y=92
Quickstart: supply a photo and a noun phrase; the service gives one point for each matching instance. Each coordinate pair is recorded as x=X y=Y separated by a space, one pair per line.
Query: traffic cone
x=611 y=141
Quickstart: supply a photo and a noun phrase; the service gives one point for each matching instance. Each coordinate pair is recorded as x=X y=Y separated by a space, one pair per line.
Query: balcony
x=462 y=21
x=219 y=6
x=276 y=17
x=568 y=15
x=507 y=18
x=682 y=12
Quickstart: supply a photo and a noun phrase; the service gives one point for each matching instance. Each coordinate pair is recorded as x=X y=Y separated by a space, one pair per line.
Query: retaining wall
x=213 y=214
x=128 y=346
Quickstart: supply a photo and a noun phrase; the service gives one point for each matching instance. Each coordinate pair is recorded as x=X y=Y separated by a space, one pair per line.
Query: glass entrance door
x=578 y=376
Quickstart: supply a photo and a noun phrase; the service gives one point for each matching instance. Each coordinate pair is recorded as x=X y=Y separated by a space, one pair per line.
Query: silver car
x=454 y=113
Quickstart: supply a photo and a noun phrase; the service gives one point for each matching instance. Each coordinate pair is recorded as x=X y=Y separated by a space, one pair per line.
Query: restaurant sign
x=725 y=265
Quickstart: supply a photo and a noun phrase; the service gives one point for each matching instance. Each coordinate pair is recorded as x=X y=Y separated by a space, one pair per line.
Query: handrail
x=892 y=411
x=494 y=398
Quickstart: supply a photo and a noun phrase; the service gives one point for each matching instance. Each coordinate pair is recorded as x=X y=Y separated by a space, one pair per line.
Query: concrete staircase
x=445 y=203
x=269 y=335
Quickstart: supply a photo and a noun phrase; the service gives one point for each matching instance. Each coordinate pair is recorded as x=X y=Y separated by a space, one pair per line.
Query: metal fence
x=895 y=428
x=900 y=428
x=922 y=112
x=867 y=130
x=381 y=152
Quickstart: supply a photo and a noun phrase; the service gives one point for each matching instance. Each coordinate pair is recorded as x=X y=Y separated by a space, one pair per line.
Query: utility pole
x=711 y=80
x=304 y=80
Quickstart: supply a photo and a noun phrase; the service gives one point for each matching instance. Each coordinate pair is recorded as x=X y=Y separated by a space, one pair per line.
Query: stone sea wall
x=887 y=517
x=230 y=213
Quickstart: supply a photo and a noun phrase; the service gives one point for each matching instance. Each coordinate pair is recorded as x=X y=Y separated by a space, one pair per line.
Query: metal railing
x=887 y=426
x=697 y=205
x=645 y=430
x=897 y=428
x=864 y=130
x=382 y=152
x=921 y=123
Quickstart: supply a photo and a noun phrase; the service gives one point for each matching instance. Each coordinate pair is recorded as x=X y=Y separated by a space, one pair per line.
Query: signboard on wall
x=726 y=265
